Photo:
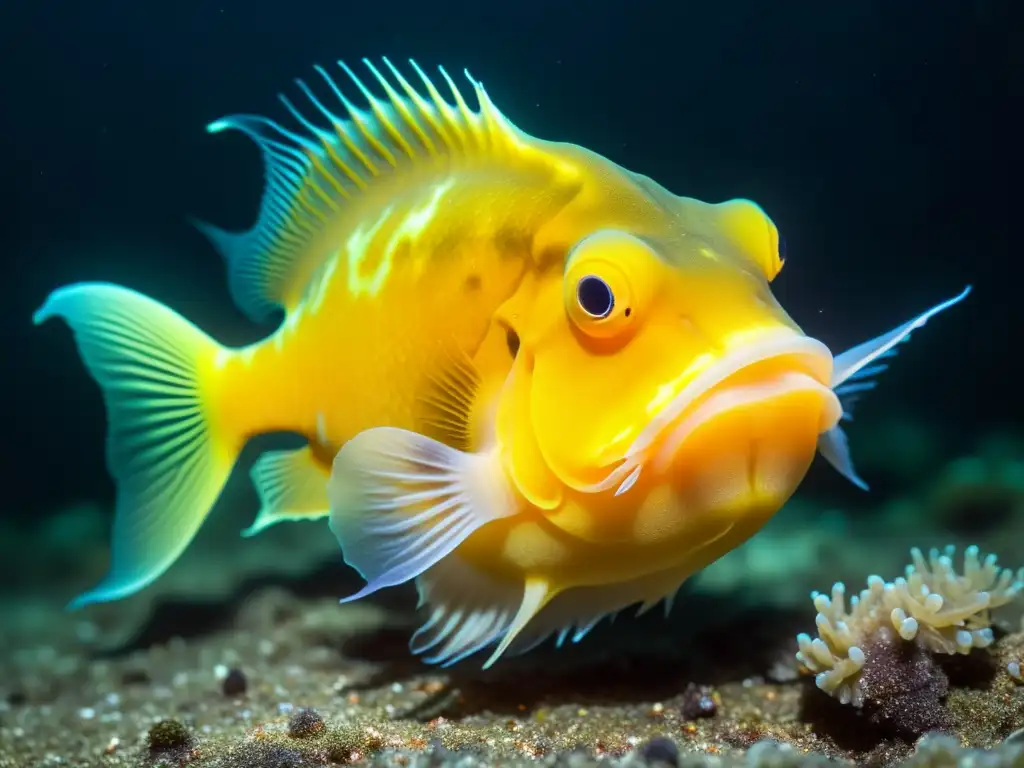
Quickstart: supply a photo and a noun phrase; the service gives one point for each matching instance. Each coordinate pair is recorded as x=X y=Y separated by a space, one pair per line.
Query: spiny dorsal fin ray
x=309 y=175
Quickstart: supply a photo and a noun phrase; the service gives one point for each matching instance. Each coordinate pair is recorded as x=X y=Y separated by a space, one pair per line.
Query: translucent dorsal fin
x=312 y=172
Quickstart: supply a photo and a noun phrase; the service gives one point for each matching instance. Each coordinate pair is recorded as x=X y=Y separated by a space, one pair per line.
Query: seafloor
x=241 y=657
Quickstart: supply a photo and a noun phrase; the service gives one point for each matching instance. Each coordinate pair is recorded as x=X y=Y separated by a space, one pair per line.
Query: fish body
x=537 y=384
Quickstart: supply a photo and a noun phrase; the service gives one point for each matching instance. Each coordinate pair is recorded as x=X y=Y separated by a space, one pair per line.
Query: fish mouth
x=755 y=371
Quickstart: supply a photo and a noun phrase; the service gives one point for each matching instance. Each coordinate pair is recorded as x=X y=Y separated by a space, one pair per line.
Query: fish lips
x=792 y=362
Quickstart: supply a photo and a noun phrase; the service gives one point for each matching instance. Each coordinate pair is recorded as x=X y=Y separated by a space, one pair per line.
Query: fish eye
x=595 y=296
x=608 y=284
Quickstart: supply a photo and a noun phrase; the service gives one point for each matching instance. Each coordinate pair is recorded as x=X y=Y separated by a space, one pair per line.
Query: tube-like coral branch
x=931 y=605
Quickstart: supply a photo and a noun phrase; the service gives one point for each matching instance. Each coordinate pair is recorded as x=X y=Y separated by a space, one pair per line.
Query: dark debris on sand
x=214 y=667
x=323 y=684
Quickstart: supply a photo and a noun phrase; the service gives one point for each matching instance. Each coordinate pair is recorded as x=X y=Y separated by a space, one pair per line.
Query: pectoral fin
x=401 y=502
x=471 y=610
x=853 y=373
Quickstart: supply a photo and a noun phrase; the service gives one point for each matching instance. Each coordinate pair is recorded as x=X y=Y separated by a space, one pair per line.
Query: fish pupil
x=595 y=296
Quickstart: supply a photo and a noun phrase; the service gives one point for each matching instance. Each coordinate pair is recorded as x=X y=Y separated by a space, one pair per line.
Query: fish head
x=666 y=363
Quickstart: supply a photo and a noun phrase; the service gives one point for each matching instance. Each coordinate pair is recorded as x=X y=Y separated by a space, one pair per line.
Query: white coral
x=932 y=605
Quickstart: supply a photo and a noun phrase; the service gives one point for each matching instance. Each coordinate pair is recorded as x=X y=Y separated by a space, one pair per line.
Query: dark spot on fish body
x=448 y=245
x=551 y=256
x=402 y=251
x=512 y=339
x=473 y=283
x=513 y=242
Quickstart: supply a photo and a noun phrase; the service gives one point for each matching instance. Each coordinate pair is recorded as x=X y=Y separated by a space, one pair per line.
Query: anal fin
x=471 y=610
x=536 y=594
x=573 y=613
x=292 y=485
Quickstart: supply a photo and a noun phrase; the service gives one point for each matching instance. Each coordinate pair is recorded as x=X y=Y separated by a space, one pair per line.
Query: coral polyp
x=933 y=606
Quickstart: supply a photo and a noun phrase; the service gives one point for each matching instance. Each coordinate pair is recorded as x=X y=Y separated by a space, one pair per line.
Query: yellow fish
x=537 y=384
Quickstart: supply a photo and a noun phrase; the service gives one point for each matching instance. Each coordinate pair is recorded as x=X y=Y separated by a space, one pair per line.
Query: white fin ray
x=847 y=365
x=575 y=612
x=835 y=449
x=470 y=611
x=853 y=373
x=536 y=594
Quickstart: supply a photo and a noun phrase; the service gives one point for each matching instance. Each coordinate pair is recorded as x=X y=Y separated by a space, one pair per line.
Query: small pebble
x=305 y=723
x=234 y=683
x=87 y=713
x=660 y=751
x=698 y=702
x=169 y=735
x=1015 y=671
x=135 y=677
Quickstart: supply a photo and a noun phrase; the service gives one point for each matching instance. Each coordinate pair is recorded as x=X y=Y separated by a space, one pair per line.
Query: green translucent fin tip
x=168 y=464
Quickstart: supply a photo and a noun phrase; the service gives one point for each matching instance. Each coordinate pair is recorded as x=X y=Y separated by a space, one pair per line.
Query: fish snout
x=746 y=440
